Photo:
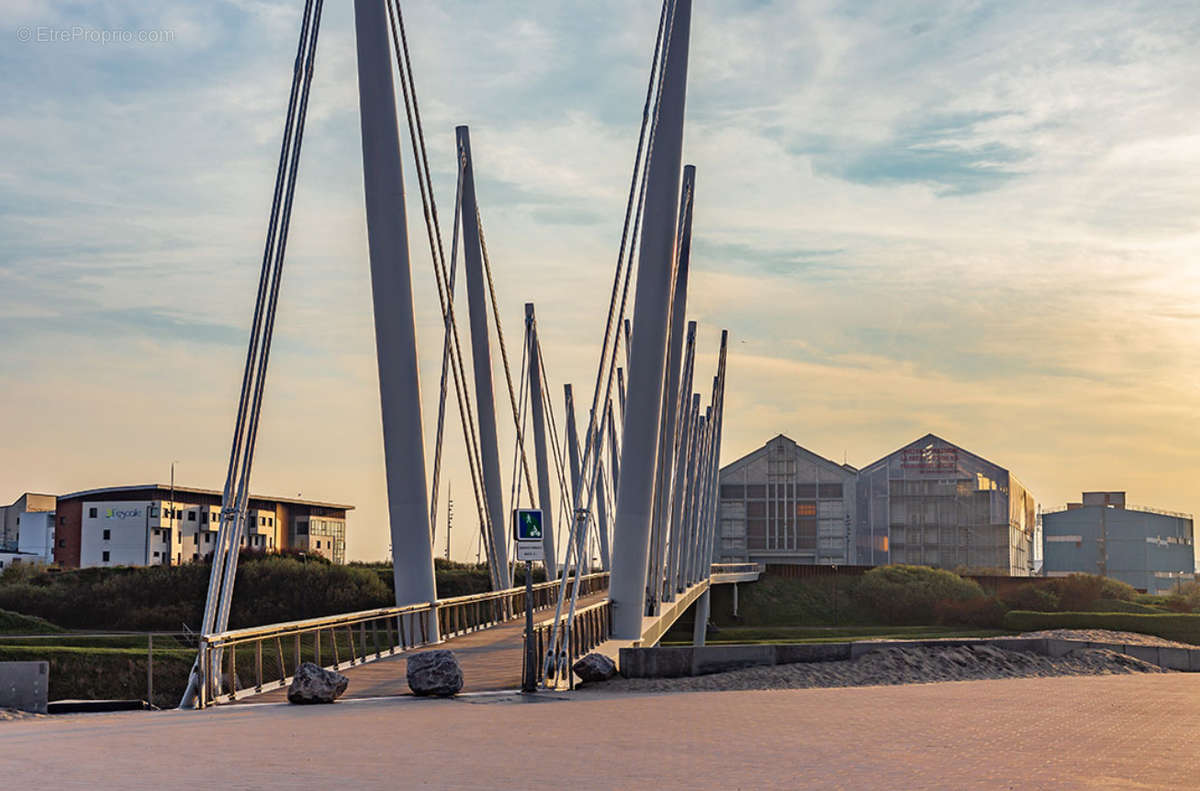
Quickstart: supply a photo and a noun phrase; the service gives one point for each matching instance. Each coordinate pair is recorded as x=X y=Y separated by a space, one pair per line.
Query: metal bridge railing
x=354 y=638
x=735 y=568
x=592 y=626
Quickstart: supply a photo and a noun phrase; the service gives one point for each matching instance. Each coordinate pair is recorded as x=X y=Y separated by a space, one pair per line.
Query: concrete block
x=1147 y=653
x=811 y=652
x=662 y=662
x=861 y=647
x=1032 y=645
x=1118 y=647
x=1174 y=658
x=1194 y=659
x=1056 y=647
x=719 y=658
x=24 y=686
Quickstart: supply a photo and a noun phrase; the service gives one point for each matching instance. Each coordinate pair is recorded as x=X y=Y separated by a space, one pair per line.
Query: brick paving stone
x=1108 y=732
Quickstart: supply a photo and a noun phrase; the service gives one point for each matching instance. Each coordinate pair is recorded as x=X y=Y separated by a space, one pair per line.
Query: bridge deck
x=490 y=660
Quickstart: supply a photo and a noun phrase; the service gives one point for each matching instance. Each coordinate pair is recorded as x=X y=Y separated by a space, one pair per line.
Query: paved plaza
x=1079 y=732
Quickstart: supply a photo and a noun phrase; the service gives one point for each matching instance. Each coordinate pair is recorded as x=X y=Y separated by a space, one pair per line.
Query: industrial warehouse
x=934 y=503
x=159 y=524
x=1151 y=549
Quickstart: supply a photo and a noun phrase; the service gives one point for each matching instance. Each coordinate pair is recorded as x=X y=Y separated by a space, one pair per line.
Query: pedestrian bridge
x=486 y=632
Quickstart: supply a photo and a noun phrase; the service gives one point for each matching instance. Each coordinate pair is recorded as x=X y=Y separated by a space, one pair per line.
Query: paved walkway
x=1106 y=732
x=490 y=660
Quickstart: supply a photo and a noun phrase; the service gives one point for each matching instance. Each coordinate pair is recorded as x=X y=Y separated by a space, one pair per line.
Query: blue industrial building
x=1152 y=550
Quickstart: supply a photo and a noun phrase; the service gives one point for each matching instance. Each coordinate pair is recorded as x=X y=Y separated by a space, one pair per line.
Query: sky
x=977 y=219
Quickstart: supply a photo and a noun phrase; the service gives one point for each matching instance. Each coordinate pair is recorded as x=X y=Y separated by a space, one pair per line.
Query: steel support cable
x=487 y=268
x=402 y=47
x=517 y=446
x=237 y=529
x=658 y=63
x=235 y=452
x=216 y=579
x=590 y=460
x=446 y=341
x=555 y=443
x=433 y=232
x=285 y=220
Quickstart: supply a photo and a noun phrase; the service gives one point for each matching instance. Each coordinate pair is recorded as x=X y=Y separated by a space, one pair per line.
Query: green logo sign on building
x=528 y=524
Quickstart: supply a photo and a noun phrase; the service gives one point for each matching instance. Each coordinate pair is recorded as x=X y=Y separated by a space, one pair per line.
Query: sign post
x=527 y=530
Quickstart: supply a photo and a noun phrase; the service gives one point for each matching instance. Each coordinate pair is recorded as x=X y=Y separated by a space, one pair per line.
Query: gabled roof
x=815 y=457
x=929 y=439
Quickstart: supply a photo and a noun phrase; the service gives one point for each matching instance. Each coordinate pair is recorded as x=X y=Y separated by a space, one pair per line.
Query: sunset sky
x=977 y=219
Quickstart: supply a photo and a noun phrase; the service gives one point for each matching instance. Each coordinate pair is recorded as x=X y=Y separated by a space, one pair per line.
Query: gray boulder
x=314 y=684
x=594 y=667
x=434 y=673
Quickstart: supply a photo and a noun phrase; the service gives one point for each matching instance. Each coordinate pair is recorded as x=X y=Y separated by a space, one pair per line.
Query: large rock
x=594 y=667
x=434 y=673
x=314 y=684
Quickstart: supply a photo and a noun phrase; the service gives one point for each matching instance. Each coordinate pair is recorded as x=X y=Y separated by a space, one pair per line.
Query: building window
x=318 y=543
x=191 y=516
x=91 y=513
x=155 y=554
x=107 y=535
x=208 y=538
x=62 y=520
x=62 y=542
x=833 y=490
x=104 y=556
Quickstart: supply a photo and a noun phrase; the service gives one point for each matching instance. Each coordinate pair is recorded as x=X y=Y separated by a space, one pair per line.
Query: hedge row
x=1182 y=627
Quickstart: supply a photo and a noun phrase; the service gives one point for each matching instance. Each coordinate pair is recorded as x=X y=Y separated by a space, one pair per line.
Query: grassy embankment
x=900 y=602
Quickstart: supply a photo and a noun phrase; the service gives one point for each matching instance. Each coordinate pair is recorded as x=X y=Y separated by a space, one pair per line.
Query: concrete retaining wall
x=675 y=661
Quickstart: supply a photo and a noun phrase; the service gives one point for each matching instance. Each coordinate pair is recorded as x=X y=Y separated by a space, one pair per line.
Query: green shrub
x=1032 y=596
x=1080 y=591
x=985 y=613
x=1116 y=605
x=269 y=588
x=911 y=594
x=1184 y=628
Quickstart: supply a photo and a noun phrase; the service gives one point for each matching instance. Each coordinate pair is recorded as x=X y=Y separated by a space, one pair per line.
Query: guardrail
x=115 y=639
x=356 y=638
x=735 y=568
x=592 y=626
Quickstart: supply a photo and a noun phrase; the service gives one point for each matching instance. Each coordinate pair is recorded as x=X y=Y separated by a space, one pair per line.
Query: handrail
x=326 y=621
x=359 y=637
x=735 y=568
x=591 y=626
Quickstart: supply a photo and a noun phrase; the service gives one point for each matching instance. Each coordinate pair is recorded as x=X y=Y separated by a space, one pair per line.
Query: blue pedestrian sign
x=527 y=524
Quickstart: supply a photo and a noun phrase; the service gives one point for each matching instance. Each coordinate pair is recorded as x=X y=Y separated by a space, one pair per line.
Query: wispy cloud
x=976 y=218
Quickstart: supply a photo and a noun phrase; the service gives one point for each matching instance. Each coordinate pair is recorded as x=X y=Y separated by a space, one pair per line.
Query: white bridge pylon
x=664 y=470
